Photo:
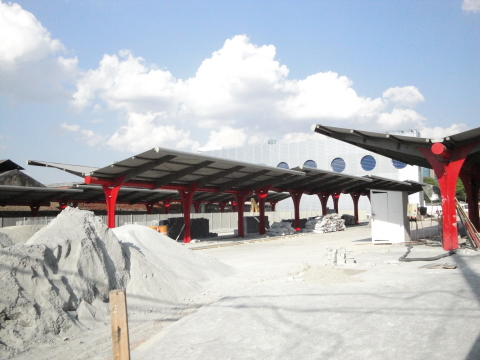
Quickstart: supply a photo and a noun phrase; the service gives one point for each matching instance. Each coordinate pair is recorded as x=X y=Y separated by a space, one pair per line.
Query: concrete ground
x=286 y=303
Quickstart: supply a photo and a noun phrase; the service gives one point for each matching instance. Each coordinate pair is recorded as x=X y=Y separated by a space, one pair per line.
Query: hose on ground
x=433 y=258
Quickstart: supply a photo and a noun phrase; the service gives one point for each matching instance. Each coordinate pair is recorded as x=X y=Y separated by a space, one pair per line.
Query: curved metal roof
x=402 y=148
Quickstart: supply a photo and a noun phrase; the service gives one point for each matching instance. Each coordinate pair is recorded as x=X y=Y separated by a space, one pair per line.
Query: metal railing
x=219 y=222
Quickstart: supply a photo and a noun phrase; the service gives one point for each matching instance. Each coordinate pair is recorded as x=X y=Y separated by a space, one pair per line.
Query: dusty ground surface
x=284 y=302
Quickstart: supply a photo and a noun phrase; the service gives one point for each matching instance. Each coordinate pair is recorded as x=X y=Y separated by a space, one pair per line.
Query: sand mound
x=5 y=240
x=163 y=272
x=49 y=284
x=21 y=234
x=58 y=282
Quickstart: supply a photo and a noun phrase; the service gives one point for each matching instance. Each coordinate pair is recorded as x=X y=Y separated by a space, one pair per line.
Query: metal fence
x=219 y=222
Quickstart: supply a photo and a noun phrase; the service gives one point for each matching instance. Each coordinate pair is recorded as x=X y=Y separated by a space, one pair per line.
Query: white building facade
x=326 y=154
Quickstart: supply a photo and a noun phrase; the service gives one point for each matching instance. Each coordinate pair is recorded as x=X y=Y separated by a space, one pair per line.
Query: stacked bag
x=281 y=228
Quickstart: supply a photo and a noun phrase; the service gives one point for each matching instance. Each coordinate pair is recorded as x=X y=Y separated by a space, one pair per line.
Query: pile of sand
x=57 y=283
x=163 y=273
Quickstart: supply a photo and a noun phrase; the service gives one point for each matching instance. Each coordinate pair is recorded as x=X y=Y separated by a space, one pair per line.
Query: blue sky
x=92 y=82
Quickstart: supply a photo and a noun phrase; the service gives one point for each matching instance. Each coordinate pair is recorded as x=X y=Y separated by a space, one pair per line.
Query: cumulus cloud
x=226 y=137
x=400 y=119
x=403 y=96
x=471 y=5
x=241 y=89
x=88 y=136
x=31 y=63
x=144 y=131
x=439 y=132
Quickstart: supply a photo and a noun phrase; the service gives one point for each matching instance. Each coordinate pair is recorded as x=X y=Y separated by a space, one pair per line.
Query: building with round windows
x=327 y=154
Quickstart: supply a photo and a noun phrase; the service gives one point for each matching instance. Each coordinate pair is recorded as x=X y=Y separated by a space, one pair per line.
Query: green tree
x=459 y=189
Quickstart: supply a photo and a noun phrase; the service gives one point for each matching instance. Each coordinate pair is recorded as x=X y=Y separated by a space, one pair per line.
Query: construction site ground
x=285 y=302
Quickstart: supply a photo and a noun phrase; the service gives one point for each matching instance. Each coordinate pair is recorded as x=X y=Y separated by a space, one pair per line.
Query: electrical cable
x=433 y=258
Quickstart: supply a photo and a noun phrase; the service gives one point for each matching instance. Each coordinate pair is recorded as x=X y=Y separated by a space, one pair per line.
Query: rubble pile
x=330 y=223
x=281 y=228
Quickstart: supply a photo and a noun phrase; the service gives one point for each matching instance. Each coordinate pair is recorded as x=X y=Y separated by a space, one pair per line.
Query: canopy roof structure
x=200 y=178
x=403 y=148
x=78 y=170
x=34 y=196
x=450 y=157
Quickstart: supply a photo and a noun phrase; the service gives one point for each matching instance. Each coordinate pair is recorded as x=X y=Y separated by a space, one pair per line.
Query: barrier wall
x=219 y=222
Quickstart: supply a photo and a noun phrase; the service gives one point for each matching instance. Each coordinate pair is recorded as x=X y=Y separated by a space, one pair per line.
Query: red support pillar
x=355 y=197
x=296 y=196
x=166 y=206
x=34 y=209
x=187 y=196
x=262 y=194
x=196 y=206
x=111 y=200
x=234 y=206
x=240 y=198
x=149 y=208
x=273 y=204
x=323 y=200
x=62 y=205
x=335 y=198
x=472 y=187
x=222 y=206
x=447 y=165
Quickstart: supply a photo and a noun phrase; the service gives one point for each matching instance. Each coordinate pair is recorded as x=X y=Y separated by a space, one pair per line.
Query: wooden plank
x=119 y=322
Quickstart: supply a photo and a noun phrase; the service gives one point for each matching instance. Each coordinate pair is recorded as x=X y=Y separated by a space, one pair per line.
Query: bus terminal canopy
x=450 y=157
x=198 y=177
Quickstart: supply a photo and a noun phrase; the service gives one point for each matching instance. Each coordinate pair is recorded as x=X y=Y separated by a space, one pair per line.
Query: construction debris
x=281 y=228
x=328 y=223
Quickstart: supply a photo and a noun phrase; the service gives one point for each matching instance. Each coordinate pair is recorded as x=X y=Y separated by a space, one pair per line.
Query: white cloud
x=471 y=5
x=241 y=89
x=403 y=96
x=144 y=131
x=88 y=136
x=439 y=132
x=400 y=119
x=226 y=137
x=299 y=137
x=30 y=65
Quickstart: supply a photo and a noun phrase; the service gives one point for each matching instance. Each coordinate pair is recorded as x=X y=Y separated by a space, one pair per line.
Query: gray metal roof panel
x=78 y=170
x=30 y=195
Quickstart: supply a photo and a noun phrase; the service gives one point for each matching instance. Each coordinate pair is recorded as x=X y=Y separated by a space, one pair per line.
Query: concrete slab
x=286 y=303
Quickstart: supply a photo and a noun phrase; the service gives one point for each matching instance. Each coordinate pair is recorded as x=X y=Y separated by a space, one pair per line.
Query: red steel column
x=196 y=206
x=471 y=188
x=296 y=196
x=222 y=206
x=62 y=205
x=323 y=200
x=262 y=194
x=187 y=196
x=240 y=198
x=335 y=198
x=149 y=208
x=234 y=206
x=111 y=200
x=273 y=204
x=166 y=206
x=355 y=197
x=447 y=165
x=34 y=209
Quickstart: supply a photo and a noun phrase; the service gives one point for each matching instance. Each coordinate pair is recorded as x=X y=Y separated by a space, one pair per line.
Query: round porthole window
x=310 y=163
x=283 y=165
x=338 y=164
x=398 y=164
x=368 y=163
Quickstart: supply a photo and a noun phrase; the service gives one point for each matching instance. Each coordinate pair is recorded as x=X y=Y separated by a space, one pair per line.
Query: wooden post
x=118 y=318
